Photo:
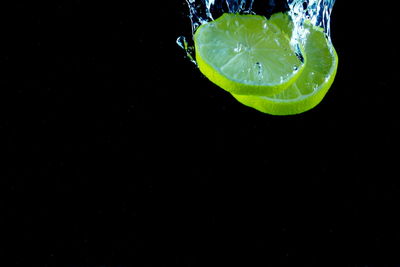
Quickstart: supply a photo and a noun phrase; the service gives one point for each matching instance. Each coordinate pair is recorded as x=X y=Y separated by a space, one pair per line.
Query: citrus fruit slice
x=246 y=54
x=314 y=82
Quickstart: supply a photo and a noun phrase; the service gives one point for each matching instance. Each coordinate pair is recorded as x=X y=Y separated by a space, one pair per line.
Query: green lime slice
x=314 y=82
x=246 y=54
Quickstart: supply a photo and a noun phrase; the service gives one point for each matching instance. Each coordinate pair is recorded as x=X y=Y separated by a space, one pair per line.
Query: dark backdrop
x=118 y=152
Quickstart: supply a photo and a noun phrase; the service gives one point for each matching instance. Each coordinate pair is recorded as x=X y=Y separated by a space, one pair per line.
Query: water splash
x=203 y=11
x=318 y=12
x=184 y=44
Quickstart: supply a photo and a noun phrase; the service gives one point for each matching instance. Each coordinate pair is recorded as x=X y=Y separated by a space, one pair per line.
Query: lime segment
x=314 y=82
x=246 y=55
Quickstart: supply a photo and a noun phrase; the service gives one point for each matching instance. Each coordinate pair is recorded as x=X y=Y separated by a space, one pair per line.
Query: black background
x=118 y=152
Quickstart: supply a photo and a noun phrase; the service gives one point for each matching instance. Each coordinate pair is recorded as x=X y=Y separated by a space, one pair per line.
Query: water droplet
x=181 y=41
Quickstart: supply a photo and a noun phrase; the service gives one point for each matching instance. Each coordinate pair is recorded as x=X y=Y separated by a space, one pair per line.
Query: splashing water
x=318 y=12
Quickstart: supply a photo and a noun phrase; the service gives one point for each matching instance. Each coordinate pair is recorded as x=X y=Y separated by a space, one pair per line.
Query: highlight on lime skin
x=254 y=59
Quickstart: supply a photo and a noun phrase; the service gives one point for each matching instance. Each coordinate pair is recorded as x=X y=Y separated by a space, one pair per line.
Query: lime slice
x=246 y=54
x=314 y=82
